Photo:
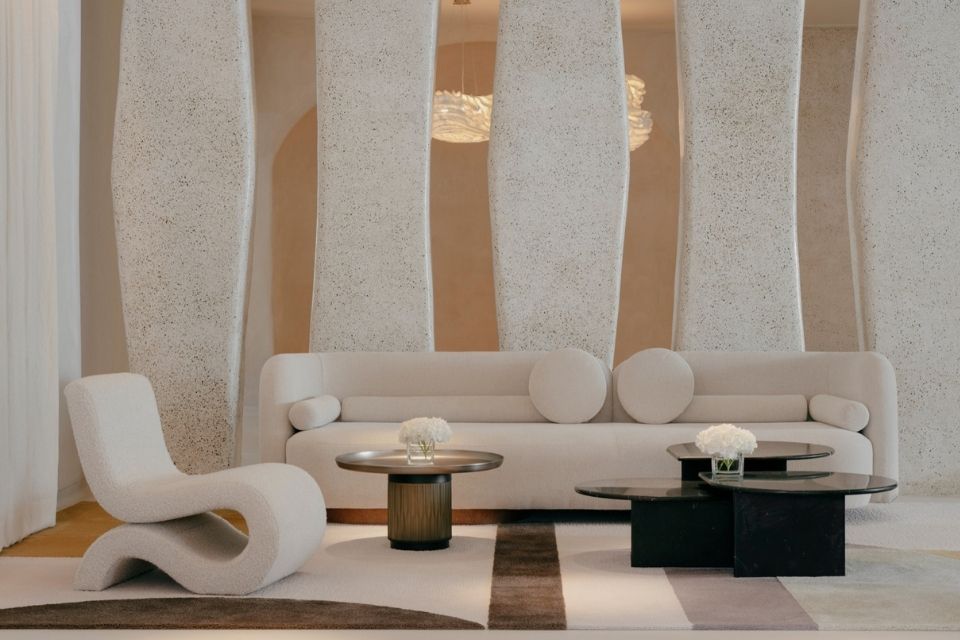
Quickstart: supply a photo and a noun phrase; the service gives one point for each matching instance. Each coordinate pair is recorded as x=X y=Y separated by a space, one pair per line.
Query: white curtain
x=28 y=268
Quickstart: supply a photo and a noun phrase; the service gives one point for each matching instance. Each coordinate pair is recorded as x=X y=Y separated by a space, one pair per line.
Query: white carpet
x=907 y=523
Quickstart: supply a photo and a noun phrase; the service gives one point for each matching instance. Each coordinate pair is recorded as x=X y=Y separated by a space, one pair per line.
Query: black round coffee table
x=419 y=510
x=768 y=456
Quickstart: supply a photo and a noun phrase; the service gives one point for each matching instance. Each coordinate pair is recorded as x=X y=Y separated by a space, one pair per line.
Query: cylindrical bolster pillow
x=745 y=408
x=314 y=412
x=568 y=386
x=839 y=412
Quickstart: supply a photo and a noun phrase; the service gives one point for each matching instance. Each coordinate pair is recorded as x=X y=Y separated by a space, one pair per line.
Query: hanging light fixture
x=457 y=115
x=640 y=121
x=461 y=117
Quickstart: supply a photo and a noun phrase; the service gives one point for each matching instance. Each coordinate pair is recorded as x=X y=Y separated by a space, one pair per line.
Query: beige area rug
x=516 y=576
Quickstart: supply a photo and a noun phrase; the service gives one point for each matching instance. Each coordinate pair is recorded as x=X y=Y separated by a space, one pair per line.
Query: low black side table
x=768 y=456
x=791 y=523
x=673 y=523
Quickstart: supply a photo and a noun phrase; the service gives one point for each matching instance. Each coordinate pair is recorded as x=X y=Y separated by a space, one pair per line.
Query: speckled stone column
x=182 y=186
x=558 y=171
x=375 y=74
x=905 y=217
x=737 y=274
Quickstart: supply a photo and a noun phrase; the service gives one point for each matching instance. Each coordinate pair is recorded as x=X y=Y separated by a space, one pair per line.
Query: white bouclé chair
x=127 y=465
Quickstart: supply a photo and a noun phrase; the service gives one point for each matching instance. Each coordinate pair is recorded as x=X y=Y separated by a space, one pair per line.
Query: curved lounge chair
x=127 y=465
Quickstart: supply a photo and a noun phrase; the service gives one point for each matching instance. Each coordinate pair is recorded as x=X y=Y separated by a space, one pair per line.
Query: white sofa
x=487 y=392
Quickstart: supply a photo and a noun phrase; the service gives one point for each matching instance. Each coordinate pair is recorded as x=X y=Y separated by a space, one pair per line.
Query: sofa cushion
x=568 y=386
x=314 y=412
x=543 y=462
x=450 y=408
x=746 y=408
x=839 y=412
x=654 y=386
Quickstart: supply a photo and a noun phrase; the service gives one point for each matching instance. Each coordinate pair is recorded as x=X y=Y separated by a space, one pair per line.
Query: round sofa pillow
x=654 y=386
x=568 y=386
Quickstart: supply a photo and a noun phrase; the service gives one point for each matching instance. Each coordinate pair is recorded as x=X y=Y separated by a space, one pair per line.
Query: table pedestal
x=419 y=512
x=682 y=533
x=788 y=535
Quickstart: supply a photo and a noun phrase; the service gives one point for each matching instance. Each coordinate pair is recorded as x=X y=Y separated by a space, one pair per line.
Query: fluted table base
x=419 y=513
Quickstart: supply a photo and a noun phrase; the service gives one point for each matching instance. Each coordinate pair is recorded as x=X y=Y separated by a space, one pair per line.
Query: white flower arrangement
x=726 y=441
x=425 y=431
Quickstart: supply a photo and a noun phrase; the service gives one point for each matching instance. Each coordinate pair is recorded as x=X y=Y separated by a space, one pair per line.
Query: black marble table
x=791 y=523
x=768 y=456
x=769 y=522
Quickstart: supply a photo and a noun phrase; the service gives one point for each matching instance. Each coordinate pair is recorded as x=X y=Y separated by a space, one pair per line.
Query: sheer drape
x=28 y=277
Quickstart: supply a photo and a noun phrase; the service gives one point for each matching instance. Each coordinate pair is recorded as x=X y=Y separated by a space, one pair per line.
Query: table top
x=766 y=450
x=394 y=462
x=801 y=482
x=646 y=489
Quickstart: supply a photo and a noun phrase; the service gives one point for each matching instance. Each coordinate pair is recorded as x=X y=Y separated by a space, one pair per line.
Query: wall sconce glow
x=640 y=121
x=461 y=117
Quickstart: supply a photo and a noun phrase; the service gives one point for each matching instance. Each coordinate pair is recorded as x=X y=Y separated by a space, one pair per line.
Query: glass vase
x=727 y=467
x=421 y=453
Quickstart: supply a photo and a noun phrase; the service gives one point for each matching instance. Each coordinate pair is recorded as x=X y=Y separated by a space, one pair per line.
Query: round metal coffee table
x=419 y=512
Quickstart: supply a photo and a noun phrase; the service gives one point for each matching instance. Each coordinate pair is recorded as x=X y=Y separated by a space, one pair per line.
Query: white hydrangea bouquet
x=422 y=435
x=726 y=444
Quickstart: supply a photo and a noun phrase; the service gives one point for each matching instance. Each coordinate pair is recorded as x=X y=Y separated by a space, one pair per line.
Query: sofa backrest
x=388 y=384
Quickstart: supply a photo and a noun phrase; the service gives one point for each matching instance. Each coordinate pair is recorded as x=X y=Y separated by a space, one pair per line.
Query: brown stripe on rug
x=526 y=592
x=714 y=599
x=223 y=613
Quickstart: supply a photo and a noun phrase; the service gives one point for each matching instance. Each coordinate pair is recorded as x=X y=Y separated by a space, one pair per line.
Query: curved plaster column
x=905 y=198
x=737 y=275
x=183 y=186
x=558 y=172
x=375 y=77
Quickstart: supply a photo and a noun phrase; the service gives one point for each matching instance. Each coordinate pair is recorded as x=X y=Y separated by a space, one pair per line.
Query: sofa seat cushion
x=542 y=461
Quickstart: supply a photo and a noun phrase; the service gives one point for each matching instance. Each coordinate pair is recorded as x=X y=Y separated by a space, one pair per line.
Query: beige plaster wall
x=465 y=313
x=104 y=345
x=823 y=232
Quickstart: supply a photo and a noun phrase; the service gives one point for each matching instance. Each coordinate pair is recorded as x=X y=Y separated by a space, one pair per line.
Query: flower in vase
x=726 y=441
x=425 y=431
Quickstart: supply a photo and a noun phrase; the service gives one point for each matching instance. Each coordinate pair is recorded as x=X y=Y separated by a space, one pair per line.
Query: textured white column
x=372 y=282
x=183 y=185
x=558 y=171
x=737 y=274
x=904 y=168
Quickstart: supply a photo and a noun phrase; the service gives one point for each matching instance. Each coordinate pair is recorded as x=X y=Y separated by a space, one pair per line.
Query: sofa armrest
x=869 y=378
x=285 y=379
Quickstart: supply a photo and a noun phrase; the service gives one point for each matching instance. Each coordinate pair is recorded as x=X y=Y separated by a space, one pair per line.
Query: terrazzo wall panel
x=737 y=268
x=558 y=172
x=375 y=77
x=823 y=234
x=182 y=187
x=905 y=220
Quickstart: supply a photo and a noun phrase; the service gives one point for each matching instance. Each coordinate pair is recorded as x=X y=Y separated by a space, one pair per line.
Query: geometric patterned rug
x=515 y=576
